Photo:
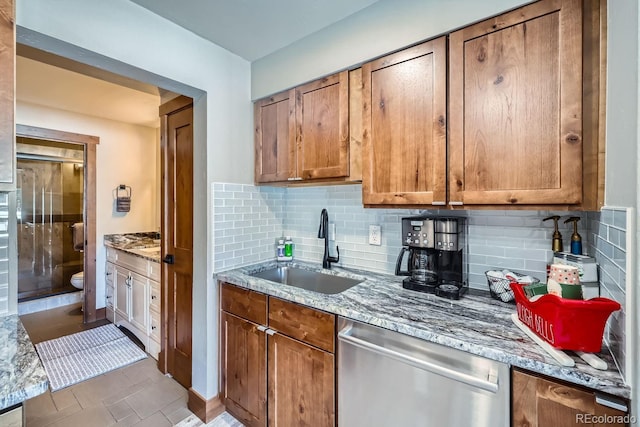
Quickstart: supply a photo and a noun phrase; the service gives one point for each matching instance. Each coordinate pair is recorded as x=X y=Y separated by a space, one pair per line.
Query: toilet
x=77 y=280
x=77 y=234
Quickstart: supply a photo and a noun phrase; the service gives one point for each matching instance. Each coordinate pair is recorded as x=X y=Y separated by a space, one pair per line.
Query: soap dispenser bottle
x=556 y=244
x=576 y=239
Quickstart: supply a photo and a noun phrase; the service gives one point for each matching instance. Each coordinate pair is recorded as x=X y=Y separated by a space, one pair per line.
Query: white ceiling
x=43 y=84
x=248 y=28
x=254 y=28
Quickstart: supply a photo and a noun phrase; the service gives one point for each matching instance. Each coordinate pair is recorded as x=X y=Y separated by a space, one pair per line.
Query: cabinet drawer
x=108 y=273
x=306 y=324
x=153 y=269
x=134 y=263
x=108 y=293
x=112 y=254
x=154 y=326
x=154 y=296
x=244 y=303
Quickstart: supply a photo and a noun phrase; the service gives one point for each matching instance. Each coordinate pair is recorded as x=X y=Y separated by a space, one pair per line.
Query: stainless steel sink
x=309 y=280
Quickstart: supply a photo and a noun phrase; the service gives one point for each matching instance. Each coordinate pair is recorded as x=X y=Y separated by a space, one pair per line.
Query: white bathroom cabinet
x=133 y=296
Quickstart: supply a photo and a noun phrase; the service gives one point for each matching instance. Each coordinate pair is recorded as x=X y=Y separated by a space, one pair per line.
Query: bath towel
x=77 y=230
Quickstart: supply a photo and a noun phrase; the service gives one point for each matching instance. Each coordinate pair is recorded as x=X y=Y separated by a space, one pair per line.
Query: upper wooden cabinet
x=305 y=133
x=7 y=94
x=515 y=108
x=274 y=120
x=404 y=123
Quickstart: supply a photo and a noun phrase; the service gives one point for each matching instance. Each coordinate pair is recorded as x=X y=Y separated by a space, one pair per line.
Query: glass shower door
x=49 y=201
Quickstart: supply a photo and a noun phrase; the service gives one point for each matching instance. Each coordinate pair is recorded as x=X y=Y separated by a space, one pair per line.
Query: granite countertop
x=476 y=324
x=144 y=245
x=21 y=373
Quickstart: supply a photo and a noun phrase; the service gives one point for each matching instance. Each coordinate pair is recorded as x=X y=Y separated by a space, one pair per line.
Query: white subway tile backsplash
x=248 y=219
x=4 y=253
x=608 y=244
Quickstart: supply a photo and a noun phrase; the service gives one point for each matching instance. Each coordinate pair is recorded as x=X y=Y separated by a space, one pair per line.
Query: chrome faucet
x=323 y=233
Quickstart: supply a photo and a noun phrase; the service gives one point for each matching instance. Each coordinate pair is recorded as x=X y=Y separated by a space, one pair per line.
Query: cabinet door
x=515 y=107
x=244 y=370
x=301 y=384
x=275 y=137
x=322 y=128
x=404 y=120
x=7 y=92
x=122 y=293
x=538 y=402
x=139 y=302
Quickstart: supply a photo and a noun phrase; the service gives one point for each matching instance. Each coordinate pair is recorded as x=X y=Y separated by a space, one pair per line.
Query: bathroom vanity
x=132 y=278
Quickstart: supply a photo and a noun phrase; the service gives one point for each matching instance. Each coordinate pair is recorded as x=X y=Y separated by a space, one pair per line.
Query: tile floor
x=138 y=394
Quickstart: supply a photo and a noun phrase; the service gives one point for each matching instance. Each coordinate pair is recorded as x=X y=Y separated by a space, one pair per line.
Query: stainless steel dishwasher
x=386 y=378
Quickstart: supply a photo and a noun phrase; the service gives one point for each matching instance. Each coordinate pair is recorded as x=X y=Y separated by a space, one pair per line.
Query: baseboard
x=101 y=313
x=204 y=409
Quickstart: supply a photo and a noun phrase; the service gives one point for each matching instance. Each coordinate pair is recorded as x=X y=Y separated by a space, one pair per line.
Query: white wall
x=622 y=103
x=383 y=27
x=127 y=154
x=124 y=38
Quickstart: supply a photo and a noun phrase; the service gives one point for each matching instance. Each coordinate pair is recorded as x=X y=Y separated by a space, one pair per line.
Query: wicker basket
x=499 y=287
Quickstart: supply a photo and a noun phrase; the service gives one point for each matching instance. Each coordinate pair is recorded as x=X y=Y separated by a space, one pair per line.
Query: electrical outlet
x=375 y=235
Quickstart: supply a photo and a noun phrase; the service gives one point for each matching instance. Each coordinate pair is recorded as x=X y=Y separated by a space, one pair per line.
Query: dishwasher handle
x=490 y=386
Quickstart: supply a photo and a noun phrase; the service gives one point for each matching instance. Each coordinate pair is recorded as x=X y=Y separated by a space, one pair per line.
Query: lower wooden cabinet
x=244 y=372
x=280 y=371
x=541 y=402
x=301 y=384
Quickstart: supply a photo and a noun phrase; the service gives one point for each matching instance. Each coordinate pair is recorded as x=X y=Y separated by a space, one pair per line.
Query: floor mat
x=223 y=420
x=74 y=358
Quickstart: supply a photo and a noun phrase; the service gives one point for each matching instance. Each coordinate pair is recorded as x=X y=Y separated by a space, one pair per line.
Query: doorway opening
x=86 y=147
x=50 y=204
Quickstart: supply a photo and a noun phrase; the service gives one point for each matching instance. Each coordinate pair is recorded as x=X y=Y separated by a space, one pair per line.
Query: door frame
x=89 y=142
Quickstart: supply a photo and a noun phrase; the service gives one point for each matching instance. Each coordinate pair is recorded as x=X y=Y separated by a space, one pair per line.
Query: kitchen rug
x=74 y=358
x=223 y=420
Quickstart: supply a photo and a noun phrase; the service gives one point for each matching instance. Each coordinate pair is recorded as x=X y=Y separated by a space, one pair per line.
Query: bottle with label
x=280 y=250
x=288 y=248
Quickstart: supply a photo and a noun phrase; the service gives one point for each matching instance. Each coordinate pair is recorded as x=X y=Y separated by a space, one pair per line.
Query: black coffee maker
x=437 y=256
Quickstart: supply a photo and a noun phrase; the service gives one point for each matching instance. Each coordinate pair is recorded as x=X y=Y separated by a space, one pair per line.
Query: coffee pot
x=421 y=265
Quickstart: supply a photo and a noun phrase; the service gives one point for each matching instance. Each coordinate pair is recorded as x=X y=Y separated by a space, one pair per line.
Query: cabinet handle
x=456 y=203
x=108 y=274
x=270 y=332
x=438 y=203
x=153 y=297
x=153 y=328
x=109 y=297
x=610 y=403
x=297 y=178
x=261 y=328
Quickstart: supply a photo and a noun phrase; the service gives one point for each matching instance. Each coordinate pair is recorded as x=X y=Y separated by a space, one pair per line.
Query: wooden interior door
x=177 y=238
x=275 y=137
x=322 y=128
x=515 y=107
x=405 y=127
